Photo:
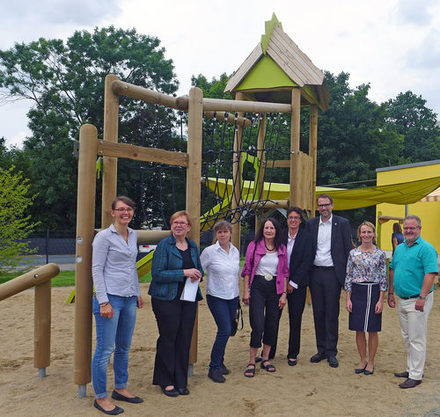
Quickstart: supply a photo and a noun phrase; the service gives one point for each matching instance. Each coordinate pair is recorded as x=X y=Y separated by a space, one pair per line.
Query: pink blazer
x=250 y=267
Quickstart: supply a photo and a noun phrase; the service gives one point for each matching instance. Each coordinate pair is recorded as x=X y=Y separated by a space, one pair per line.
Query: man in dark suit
x=332 y=244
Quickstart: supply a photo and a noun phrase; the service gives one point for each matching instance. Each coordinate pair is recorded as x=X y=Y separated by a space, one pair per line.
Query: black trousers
x=296 y=302
x=263 y=312
x=326 y=292
x=175 y=322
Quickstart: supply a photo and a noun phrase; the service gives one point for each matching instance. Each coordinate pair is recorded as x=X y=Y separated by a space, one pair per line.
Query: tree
x=65 y=80
x=15 y=222
x=409 y=117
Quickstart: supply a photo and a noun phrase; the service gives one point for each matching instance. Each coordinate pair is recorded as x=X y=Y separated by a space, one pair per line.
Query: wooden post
x=42 y=320
x=193 y=183
x=313 y=152
x=109 y=165
x=261 y=154
x=88 y=148
x=236 y=179
x=295 y=180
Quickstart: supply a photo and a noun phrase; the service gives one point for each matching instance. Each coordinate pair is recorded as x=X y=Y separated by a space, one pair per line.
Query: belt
x=323 y=267
x=412 y=296
x=266 y=277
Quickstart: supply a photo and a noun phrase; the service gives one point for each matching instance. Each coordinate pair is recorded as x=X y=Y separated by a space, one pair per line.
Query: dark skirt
x=364 y=298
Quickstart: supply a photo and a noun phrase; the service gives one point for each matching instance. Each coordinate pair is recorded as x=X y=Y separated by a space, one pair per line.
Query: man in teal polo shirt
x=412 y=272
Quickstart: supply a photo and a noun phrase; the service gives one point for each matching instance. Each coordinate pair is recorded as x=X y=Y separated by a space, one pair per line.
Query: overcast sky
x=392 y=44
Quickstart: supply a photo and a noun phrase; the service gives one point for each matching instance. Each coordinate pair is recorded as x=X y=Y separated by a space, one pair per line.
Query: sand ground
x=304 y=390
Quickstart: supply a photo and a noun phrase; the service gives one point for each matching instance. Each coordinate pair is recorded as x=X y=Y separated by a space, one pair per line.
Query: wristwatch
x=421 y=297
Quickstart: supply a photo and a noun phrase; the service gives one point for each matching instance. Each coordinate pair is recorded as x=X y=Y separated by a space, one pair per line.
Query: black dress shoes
x=402 y=374
x=183 y=391
x=332 y=361
x=169 y=392
x=120 y=397
x=117 y=410
x=410 y=383
x=224 y=370
x=318 y=357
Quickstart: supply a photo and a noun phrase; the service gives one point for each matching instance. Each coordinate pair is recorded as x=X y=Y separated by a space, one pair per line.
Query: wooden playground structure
x=290 y=81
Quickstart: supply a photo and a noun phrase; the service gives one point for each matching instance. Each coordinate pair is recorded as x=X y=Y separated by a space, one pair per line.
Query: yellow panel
x=265 y=74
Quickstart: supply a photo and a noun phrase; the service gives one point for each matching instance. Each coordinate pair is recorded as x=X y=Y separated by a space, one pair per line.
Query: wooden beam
x=279 y=163
x=216 y=104
x=267 y=205
x=140 y=153
x=313 y=152
x=150 y=96
x=109 y=165
x=295 y=181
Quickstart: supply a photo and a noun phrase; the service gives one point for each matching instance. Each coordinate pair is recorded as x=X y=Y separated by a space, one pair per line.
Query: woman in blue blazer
x=176 y=260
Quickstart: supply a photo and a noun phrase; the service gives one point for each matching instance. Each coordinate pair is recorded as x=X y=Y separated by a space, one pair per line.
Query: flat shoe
x=117 y=410
x=404 y=374
x=367 y=372
x=269 y=367
x=169 y=392
x=120 y=397
x=250 y=369
x=183 y=391
x=292 y=362
x=318 y=357
x=360 y=370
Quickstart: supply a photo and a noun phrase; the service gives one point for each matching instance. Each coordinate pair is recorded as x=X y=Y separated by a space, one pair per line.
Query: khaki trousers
x=413 y=325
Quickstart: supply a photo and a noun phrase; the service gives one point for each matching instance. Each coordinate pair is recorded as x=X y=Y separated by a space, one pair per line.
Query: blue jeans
x=223 y=312
x=114 y=333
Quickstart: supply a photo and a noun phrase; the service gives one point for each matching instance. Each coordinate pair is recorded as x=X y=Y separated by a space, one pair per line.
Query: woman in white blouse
x=221 y=262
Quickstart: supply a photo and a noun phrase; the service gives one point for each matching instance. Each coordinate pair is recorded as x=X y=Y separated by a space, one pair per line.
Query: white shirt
x=268 y=264
x=290 y=244
x=222 y=270
x=323 y=250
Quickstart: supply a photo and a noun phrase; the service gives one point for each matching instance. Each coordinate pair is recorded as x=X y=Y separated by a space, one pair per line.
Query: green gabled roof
x=269 y=26
x=265 y=74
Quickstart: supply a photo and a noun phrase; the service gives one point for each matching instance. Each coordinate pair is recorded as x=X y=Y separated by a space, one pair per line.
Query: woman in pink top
x=265 y=275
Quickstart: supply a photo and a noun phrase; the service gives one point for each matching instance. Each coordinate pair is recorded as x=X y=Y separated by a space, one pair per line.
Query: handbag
x=236 y=320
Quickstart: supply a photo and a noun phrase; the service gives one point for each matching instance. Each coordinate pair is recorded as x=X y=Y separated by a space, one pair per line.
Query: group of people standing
x=279 y=266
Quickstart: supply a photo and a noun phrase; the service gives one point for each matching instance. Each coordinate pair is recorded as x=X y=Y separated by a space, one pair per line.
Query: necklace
x=269 y=250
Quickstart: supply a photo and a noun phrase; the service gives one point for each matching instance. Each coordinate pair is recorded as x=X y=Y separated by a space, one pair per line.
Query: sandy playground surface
x=304 y=390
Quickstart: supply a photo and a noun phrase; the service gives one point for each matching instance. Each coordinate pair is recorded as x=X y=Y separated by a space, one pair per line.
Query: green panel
x=265 y=74
x=269 y=25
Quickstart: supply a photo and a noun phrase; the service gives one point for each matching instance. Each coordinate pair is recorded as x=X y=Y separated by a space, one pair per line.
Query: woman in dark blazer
x=299 y=245
x=176 y=260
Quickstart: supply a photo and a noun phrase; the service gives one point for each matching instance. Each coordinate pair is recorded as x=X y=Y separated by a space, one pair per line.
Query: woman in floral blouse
x=365 y=285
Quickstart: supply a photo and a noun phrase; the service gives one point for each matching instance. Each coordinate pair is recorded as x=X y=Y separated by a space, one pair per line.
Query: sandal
x=292 y=362
x=269 y=367
x=250 y=370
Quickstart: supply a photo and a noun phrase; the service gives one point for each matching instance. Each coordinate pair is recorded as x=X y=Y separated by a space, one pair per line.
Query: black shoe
x=117 y=410
x=216 y=375
x=169 y=392
x=410 y=383
x=183 y=391
x=292 y=361
x=120 y=397
x=367 y=372
x=402 y=374
x=360 y=370
x=332 y=361
x=224 y=370
x=258 y=359
x=318 y=357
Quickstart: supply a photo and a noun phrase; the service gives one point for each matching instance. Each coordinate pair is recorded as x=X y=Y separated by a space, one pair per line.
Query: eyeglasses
x=411 y=228
x=180 y=223
x=324 y=205
x=294 y=218
x=122 y=209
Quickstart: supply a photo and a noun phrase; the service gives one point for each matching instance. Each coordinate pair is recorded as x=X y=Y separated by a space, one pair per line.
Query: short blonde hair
x=180 y=213
x=222 y=224
x=368 y=224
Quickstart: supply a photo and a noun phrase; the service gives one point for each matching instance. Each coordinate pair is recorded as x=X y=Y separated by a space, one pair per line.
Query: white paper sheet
x=189 y=290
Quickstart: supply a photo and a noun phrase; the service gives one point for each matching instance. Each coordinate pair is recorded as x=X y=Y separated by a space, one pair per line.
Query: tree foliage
x=15 y=221
x=65 y=81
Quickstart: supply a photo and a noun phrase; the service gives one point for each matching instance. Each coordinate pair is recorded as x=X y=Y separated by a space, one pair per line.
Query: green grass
x=63 y=279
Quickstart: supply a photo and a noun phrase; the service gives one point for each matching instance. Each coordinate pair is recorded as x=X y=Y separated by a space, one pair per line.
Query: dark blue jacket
x=167 y=272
